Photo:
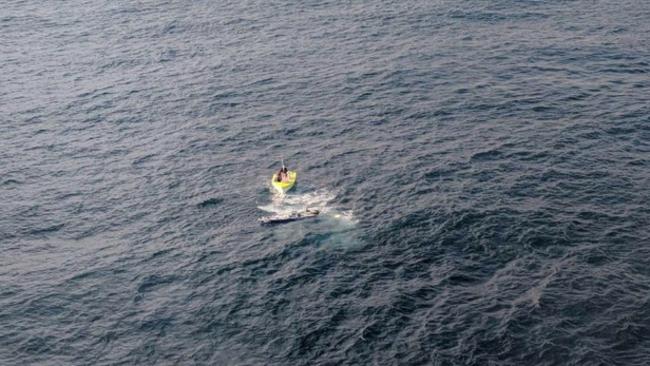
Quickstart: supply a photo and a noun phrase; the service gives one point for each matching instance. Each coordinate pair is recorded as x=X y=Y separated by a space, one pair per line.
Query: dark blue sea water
x=482 y=168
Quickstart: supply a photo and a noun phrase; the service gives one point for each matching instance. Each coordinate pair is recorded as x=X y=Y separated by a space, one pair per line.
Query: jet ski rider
x=282 y=175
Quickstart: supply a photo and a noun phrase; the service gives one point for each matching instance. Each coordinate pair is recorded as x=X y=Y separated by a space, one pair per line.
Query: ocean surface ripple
x=482 y=168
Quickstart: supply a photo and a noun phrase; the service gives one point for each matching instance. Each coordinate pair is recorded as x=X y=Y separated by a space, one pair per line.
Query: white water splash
x=319 y=200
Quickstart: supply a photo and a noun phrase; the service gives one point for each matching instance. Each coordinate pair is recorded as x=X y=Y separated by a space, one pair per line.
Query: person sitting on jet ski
x=282 y=175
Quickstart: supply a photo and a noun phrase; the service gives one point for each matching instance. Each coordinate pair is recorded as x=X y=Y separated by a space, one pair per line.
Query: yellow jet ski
x=283 y=187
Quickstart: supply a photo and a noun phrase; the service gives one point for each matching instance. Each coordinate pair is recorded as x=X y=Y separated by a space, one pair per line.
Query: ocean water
x=482 y=168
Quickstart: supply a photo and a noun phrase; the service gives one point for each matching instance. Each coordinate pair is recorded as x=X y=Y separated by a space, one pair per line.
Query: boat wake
x=319 y=200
